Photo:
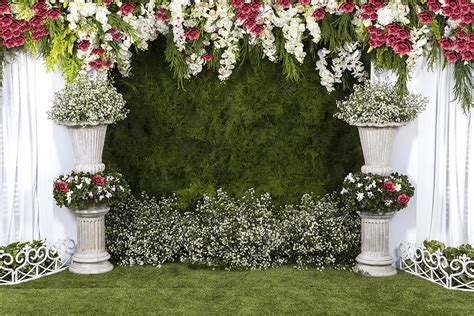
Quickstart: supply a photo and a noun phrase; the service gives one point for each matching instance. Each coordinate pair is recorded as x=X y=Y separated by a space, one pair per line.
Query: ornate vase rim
x=78 y=125
x=393 y=124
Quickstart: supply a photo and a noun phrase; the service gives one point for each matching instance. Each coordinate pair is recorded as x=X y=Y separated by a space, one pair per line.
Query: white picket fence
x=435 y=267
x=33 y=263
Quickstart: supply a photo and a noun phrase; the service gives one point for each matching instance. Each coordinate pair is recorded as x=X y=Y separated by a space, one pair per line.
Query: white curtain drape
x=19 y=209
x=452 y=219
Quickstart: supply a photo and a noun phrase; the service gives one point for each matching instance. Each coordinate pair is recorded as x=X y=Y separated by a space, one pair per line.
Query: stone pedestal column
x=375 y=259
x=91 y=256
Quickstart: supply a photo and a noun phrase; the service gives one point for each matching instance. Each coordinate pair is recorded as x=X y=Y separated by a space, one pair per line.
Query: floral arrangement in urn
x=371 y=193
x=79 y=190
x=88 y=101
x=378 y=103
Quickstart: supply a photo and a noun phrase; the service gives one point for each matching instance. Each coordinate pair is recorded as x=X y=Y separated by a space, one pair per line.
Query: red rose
x=162 y=15
x=9 y=43
x=253 y=16
x=36 y=21
x=445 y=43
x=237 y=3
x=83 y=45
x=107 y=2
x=403 y=47
x=7 y=34
x=257 y=30
x=403 y=199
x=451 y=56
x=391 y=40
x=347 y=7
x=403 y=33
x=207 y=57
x=393 y=28
x=108 y=64
x=376 y=43
x=460 y=44
x=39 y=7
x=20 y=40
x=467 y=17
x=467 y=55
x=192 y=34
x=378 y=4
x=117 y=37
x=284 y=4
x=434 y=5
x=98 y=51
x=246 y=9
x=6 y=20
x=54 y=13
x=127 y=8
x=368 y=9
x=255 y=6
x=61 y=186
x=99 y=180
x=304 y=2
x=425 y=17
x=4 y=8
x=451 y=3
x=319 y=14
x=389 y=186
x=241 y=16
x=249 y=23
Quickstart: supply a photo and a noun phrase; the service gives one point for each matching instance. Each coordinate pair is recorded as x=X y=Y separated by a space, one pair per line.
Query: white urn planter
x=377 y=142
x=375 y=259
x=91 y=257
x=88 y=144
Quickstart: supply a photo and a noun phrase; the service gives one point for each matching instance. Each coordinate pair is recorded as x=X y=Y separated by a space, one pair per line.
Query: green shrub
x=257 y=130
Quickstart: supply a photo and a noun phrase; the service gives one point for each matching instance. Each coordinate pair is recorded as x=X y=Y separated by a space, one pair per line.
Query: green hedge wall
x=257 y=130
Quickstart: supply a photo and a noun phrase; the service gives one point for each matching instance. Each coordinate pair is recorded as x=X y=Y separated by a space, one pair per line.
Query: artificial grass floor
x=179 y=289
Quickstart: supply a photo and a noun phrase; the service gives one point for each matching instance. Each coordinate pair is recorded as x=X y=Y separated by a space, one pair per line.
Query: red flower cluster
x=369 y=10
x=207 y=57
x=394 y=36
x=115 y=34
x=12 y=31
x=248 y=13
x=162 y=15
x=461 y=46
x=402 y=199
x=99 y=180
x=127 y=8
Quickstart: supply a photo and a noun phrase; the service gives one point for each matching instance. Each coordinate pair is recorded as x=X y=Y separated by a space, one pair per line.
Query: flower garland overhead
x=80 y=36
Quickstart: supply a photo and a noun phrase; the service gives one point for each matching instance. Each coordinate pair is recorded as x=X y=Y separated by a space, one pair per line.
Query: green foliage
x=463 y=84
x=257 y=130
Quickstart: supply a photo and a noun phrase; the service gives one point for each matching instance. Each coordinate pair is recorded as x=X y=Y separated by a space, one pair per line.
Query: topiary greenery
x=257 y=130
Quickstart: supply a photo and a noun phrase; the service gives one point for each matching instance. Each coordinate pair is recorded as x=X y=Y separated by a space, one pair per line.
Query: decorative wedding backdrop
x=279 y=136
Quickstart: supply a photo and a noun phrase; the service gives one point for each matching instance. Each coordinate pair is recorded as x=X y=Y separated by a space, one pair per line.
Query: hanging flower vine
x=80 y=36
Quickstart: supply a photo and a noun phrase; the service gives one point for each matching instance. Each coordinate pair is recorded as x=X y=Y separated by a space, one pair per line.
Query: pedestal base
x=375 y=271
x=91 y=268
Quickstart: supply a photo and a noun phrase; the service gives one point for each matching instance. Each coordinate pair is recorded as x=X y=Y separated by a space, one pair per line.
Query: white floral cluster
x=176 y=8
x=348 y=59
x=394 y=11
x=419 y=38
x=293 y=28
x=379 y=103
x=224 y=232
x=88 y=101
x=144 y=231
x=318 y=232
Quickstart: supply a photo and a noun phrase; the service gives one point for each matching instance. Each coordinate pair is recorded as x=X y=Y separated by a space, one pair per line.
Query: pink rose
x=319 y=14
x=393 y=28
x=61 y=186
x=192 y=33
x=389 y=186
x=368 y=9
x=6 y=20
x=391 y=40
x=4 y=8
x=255 y=6
x=39 y=7
x=241 y=16
x=162 y=15
x=403 y=47
x=425 y=17
x=460 y=44
x=99 y=180
x=127 y=8
x=249 y=23
x=376 y=43
x=403 y=199
x=434 y=5
x=83 y=45
x=98 y=51
x=467 y=18
x=237 y=3
x=257 y=30
x=378 y=4
x=451 y=56
x=36 y=21
x=246 y=9
x=207 y=57
x=284 y=4
x=54 y=13
x=347 y=7
x=304 y=2
x=253 y=16
x=107 y=2
x=403 y=33
x=20 y=40
x=445 y=43
x=7 y=34
x=467 y=55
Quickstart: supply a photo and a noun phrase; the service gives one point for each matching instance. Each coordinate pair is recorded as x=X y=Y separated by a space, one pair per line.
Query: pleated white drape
x=19 y=209
x=452 y=219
